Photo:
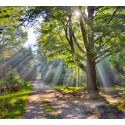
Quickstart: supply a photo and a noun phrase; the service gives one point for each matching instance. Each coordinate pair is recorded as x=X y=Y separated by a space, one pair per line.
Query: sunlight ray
x=106 y=74
x=58 y=72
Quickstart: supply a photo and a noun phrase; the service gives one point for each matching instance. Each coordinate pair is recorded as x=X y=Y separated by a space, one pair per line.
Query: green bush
x=12 y=82
x=13 y=78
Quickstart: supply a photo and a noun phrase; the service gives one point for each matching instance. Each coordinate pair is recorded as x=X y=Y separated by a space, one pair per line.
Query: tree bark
x=91 y=76
x=78 y=76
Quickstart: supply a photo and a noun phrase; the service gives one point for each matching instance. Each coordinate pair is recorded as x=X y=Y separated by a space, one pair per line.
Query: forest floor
x=47 y=103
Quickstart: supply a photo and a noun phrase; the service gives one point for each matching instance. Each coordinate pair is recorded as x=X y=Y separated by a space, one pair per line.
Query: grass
x=120 y=100
x=12 y=105
x=119 y=104
x=69 y=89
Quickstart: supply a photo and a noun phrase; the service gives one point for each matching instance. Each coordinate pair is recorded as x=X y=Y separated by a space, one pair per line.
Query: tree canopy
x=81 y=36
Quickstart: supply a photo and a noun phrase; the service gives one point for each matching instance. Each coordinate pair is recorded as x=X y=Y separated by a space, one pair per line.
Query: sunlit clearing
x=77 y=13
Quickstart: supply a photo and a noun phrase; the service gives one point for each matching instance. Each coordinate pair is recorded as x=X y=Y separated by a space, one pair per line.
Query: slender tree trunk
x=91 y=76
x=78 y=76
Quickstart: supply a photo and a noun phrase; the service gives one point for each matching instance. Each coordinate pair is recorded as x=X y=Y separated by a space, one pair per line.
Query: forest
x=75 y=69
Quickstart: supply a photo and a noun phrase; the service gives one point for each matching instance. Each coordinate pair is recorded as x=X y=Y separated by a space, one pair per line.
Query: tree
x=11 y=35
x=85 y=40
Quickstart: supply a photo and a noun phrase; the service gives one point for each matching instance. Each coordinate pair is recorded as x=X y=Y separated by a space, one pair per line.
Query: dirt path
x=46 y=103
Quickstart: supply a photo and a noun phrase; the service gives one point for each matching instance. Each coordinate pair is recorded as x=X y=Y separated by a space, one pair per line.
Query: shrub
x=12 y=82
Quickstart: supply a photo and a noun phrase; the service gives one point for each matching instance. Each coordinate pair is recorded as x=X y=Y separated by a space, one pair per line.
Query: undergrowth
x=12 y=105
x=120 y=100
x=69 y=89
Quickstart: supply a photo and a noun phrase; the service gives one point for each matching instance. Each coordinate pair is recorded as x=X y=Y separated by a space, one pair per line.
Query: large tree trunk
x=91 y=76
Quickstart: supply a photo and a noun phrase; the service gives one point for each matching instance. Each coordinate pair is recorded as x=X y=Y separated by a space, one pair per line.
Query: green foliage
x=12 y=105
x=23 y=62
x=12 y=82
x=11 y=35
x=13 y=77
x=120 y=101
x=118 y=66
x=68 y=89
x=53 y=39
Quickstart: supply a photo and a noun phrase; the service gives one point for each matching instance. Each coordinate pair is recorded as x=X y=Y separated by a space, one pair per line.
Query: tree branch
x=103 y=52
x=103 y=58
x=113 y=15
x=79 y=63
x=63 y=42
x=77 y=44
x=84 y=34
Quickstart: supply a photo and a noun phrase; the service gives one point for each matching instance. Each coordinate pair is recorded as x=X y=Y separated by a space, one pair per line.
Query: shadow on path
x=46 y=103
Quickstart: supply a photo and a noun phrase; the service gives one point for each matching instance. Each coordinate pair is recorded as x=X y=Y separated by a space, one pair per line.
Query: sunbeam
x=48 y=70
x=58 y=72
x=106 y=74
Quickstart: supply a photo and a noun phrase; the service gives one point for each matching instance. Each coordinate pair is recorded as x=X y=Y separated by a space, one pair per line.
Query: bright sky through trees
x=31 y=38
x=76 y=13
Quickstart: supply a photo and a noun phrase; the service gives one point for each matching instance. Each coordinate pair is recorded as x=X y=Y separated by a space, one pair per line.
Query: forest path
x=46 y=103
